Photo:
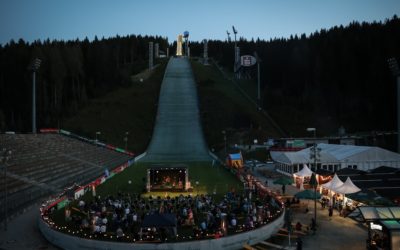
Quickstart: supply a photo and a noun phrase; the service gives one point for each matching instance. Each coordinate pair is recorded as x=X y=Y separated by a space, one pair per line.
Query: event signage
x=247 y=60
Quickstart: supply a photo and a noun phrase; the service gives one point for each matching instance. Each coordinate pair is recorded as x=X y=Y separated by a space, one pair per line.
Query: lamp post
x=258 y=79
x=126 y=140
x=6 y=154
x=394 y=67
x=224 y=133
x=314 y=154
x=35 y=65
x=96 y=138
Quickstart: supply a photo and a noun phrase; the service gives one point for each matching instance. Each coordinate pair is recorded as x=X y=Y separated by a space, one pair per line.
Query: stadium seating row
x=41 y=163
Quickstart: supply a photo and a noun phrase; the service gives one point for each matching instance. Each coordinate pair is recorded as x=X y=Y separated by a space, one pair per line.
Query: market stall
x=302 y=177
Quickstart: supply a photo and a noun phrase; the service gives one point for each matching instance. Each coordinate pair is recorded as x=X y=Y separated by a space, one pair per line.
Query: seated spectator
x=103 y=229
x=203 y=226
x=233 y=222
x=120 y=233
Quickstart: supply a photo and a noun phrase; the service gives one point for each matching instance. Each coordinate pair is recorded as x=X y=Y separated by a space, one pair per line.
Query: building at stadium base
x=333 y=157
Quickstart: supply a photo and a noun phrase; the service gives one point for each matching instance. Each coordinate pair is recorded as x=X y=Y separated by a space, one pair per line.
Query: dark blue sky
x=71 y=19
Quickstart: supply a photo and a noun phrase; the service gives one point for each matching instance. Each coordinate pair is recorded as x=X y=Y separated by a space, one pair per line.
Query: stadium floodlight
x=236 y=54
x=229 y=37
x=394 y=67
x=34 y=66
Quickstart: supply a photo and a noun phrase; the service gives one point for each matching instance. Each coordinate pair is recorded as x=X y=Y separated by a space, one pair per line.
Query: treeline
x=331 y=78
x=71 y=73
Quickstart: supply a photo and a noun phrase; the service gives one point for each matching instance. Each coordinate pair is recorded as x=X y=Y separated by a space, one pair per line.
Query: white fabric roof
x=335 y=153
x=333 y=184
x=348 y=187
x=304 y=172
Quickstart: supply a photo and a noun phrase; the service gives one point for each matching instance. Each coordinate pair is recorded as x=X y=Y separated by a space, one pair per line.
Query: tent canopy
x=348 y=187
x=304 y=172
x=334 y=183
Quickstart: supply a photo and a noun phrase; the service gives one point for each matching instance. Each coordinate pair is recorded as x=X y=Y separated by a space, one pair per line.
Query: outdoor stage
x=168 y=179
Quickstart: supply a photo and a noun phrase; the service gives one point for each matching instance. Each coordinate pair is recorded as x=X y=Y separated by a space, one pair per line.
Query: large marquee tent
x=333 y=157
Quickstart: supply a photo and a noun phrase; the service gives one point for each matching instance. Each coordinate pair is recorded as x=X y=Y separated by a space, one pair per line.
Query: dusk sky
x=205 y=19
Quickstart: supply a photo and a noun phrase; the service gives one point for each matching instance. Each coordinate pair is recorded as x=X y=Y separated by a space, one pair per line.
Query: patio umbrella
x=283 y=181
x=308 y=195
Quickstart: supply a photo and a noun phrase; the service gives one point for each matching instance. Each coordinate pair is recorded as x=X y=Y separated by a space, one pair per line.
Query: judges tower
x=179 y=45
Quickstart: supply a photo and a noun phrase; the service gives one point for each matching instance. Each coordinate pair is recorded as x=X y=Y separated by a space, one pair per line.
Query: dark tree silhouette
x=71 y=73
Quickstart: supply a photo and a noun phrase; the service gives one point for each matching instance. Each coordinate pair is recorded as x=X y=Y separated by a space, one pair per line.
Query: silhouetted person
x=299 y=244
x=283 y=189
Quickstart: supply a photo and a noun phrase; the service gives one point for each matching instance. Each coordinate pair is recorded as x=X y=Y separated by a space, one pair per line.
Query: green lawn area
x=210 y=179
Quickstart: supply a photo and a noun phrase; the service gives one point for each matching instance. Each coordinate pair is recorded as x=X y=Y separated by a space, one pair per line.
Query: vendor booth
x=302 y=178
x=235 y=160
x=383 y=226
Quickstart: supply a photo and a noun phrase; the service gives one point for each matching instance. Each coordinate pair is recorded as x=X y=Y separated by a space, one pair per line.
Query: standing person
x=283 y=189
x=313 y=225
x=299 y=244
x=330 y=212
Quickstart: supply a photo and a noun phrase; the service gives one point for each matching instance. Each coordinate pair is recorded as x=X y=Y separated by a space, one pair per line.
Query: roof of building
x=335 y=153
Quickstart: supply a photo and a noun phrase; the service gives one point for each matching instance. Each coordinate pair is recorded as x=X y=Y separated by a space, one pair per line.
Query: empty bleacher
x=43 y=164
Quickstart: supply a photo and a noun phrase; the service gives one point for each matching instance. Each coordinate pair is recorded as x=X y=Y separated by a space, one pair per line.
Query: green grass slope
x=132 y=109
x=224 y=108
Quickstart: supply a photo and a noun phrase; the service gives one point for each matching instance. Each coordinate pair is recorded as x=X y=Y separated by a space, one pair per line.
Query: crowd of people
x=122 y=215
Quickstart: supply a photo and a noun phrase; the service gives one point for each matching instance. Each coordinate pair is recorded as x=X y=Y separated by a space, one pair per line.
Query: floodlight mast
x=258 y=79
x=236 y=56
x=35 y=65
x=229 y=38
x=394 y=67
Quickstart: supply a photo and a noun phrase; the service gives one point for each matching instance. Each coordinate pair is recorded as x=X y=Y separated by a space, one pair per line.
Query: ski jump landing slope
x=177 y=135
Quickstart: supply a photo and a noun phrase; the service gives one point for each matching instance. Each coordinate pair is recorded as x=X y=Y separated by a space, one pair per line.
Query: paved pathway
x=337 y=233
x=23 y=233
x=177 y=135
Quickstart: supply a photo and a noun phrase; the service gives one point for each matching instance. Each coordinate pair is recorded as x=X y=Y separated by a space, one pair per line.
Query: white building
x=333 y=157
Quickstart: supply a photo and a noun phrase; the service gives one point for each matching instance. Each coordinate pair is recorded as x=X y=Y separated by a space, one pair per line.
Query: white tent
x=333 y=157
x=348 y=187
x=304 y=172
x=333 y=184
